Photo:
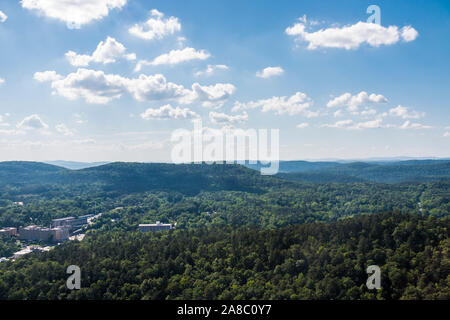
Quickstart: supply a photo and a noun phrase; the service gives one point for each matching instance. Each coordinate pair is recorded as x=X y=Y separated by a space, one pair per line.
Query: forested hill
x=384 y=172
x=310 y=261
x=24 y=172
x=140 y=177
x=194 y=178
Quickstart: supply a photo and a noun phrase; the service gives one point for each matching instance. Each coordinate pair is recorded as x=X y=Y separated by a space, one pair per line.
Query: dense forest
x=199 y=195
x=381 y=171
x=309 y=261
x=239 y=235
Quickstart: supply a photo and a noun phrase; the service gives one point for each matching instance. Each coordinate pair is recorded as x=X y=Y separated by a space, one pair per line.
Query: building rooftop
x=63 y=219
x=154 y=224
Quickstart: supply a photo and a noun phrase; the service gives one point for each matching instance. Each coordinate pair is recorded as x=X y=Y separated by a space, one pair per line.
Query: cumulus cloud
x=352 y=125
x=339 y=124
x=409 y=125
x=154 y=87
x=302 y=125
x=404 y=113
x=368 y=112
x=156 y=27
x=93 y=86
x=270 y=72
x=175 y=57
x=47 y=76
x=32 y=122
x=210 y=96
x=98 y=87
x=372 y=124
x=356 y=101
x=75 y=13
x=222 y=118
x=107 y=52
x=299 y=103
x=3 y=17
x=167 y=112
x=409 y=33
x=2 y=80
x=62 y=128
x=211 y=69
x=351 y=36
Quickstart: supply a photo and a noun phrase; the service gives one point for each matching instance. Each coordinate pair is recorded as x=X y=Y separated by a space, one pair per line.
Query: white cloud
x=156 y=27
x=154 y=87
x=62 y=128
x=339 y=124
x=47 y=76
x=404 y=113
x=368 y=112
x=270 y=72
x=351 y=36
x=372 y=124
x=32 y=122
x=356 y=101
x=409 y=125
x=175 y=57
x=2 y=80
x=409 y=33
x=295 y=104
x=210 y=96
x=447 y=134
x=211 y=69
x=98 y=87
x=93 y=86
x=303 y=125
x=75 y=13
x=168 y=112
x=107 y=52
x=222 y=118
x=3 y=17
x=351 y=125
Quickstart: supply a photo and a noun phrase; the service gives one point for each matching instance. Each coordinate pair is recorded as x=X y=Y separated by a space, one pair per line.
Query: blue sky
x=334 y=85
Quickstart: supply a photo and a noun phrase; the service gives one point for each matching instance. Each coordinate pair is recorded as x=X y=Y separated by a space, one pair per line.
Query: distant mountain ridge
x=194 y=178
x=138 y=177
x=385 y=172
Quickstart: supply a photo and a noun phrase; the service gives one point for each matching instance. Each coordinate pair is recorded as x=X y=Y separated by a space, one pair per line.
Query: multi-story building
x=158 y=226
x=8 y=232
x=71 y=222
x=43 y=234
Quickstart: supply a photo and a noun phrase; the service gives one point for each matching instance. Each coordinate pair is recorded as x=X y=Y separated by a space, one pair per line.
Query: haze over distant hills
x=75 y=165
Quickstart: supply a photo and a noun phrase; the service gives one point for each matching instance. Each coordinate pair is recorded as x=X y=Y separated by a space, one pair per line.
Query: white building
x=158 y=226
